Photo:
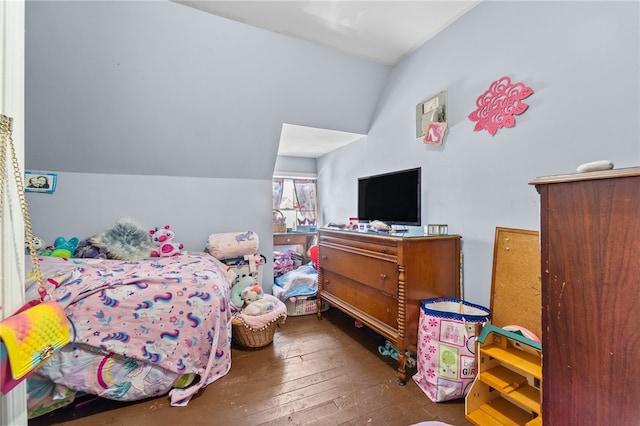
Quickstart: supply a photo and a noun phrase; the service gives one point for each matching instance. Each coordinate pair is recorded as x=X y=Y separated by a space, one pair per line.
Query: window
x=296 y=199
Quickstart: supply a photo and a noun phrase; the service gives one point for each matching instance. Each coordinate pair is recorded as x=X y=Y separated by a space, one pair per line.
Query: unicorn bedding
x=139 y=329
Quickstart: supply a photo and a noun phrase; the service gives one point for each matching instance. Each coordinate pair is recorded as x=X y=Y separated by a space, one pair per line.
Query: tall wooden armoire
x=590 y=247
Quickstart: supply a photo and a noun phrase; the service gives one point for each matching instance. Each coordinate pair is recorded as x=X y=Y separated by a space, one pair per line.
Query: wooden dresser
x=590 y=246
x=380 y=279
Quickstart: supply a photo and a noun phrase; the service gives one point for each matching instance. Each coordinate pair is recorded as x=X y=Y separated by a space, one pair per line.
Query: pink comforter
x=168 y=312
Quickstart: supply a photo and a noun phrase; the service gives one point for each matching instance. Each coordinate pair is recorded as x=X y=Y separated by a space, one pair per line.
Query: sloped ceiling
x=157 y=88
x=382 y=31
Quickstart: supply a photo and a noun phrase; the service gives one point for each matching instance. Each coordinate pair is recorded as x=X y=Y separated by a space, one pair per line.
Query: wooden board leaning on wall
x=515 y=286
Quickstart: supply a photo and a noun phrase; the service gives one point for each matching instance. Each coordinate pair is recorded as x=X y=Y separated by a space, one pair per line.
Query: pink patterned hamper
x=447 y=362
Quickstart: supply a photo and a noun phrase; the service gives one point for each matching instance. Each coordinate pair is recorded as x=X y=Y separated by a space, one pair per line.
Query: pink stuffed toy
x=162 y=237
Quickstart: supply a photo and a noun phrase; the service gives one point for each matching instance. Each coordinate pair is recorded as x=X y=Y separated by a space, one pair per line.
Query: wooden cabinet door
x=590 y=242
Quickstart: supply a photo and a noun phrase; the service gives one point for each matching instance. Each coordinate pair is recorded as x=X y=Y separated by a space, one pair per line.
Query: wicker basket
x=250 y=338
x=279 y=224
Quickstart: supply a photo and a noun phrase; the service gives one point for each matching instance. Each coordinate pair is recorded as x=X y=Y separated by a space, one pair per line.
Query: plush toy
x=86 y=249
x=38 y=244
x=262 y=305
x=391 y=350
x=256 y=302
x=236 y=291
x=162 y=238
x=62 y=248
x=251 y=294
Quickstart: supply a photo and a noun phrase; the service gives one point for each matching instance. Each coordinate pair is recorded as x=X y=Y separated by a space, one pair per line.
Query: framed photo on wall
x=40 y=182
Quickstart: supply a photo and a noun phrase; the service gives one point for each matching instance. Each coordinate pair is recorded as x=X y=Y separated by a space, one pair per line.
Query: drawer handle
x=324 y=257
x=383 y=250
x=383 y=276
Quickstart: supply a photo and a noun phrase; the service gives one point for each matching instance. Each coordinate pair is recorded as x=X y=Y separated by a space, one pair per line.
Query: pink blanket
x=170 y=312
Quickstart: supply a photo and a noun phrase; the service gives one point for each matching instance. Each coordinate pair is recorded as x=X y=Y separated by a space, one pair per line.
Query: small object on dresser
x=437 y=229
x=379 y=226
x=595 y=166
x=353 y=223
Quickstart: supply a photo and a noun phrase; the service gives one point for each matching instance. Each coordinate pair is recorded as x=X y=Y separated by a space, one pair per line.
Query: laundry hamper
x=446 y=358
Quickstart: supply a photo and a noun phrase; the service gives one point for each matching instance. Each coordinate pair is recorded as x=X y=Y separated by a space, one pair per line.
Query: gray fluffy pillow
x=125 y=241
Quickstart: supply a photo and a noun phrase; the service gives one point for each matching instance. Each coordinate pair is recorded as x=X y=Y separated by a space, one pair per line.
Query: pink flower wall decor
x=497 y=106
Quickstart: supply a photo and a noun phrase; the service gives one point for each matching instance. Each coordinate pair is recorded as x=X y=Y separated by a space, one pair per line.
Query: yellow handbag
x=32 y=334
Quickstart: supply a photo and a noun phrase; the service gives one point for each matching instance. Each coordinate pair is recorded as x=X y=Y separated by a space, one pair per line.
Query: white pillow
x=232 y=244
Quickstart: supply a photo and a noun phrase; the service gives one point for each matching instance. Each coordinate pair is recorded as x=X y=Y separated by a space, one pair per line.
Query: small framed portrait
x=40 y=182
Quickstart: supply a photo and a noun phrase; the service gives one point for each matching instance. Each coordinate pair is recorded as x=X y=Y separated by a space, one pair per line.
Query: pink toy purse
x=31 y=335
x=29 y=338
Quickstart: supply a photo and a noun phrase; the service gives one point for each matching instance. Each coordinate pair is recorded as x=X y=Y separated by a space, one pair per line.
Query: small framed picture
x=40 y=182
x=434 y=134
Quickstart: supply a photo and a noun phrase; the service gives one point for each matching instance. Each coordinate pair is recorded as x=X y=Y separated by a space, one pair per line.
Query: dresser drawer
x=289 y=238
x=361 y=242
x=371 y=271
x=380 y=306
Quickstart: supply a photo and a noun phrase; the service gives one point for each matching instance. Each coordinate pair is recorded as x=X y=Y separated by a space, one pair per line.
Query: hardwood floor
x=324 y=372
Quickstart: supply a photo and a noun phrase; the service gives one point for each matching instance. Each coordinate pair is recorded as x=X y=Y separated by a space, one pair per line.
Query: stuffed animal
x=236 y=291
x=62 y=248
x=263 y=305
x=38 y=244
x=162 y=238
x=251 y=294
x=86 y=249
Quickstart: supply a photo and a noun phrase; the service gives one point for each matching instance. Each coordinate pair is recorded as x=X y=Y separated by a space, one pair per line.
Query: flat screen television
x=393 y=198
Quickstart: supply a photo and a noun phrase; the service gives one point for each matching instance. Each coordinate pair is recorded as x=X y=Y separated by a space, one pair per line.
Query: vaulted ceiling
x=160 y=88
x=382 y=31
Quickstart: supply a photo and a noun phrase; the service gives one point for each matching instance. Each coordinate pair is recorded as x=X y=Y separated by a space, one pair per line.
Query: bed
x=139 y=329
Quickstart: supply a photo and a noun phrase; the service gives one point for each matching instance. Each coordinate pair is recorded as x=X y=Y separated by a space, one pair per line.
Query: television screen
x=393 y=198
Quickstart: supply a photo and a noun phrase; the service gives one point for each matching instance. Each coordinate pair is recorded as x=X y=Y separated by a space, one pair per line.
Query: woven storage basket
x=279 y=224
x=250 y=338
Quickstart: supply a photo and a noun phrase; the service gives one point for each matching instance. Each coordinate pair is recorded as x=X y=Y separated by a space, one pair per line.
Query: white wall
x=570 y=53
x=171 y=115
x=302 y=165
x=86 y=204
x=159 y=88
x=582 y=61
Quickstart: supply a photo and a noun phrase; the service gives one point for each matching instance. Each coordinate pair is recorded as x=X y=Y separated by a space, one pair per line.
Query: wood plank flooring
x=324 y=372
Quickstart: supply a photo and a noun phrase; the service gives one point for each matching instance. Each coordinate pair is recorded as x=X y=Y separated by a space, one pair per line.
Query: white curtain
x=13 y=407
